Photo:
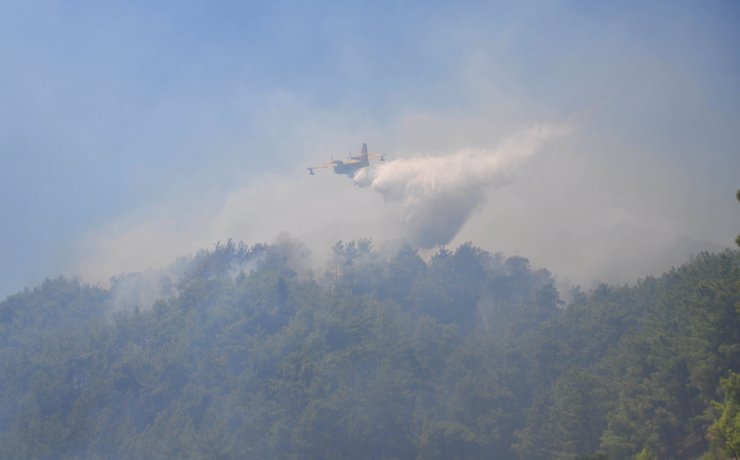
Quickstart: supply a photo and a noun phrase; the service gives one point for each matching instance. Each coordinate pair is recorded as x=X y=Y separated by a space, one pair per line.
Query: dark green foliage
x=469 y=355
x=725 y=432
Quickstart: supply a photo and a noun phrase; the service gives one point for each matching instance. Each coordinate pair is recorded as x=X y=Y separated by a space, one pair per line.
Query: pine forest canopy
x=466 y=355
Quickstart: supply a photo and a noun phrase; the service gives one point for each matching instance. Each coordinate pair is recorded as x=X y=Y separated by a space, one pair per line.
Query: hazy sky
x=134 y=132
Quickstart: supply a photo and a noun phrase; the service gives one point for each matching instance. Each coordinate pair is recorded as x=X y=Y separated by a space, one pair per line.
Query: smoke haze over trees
x=132 y=133
x=468 y=354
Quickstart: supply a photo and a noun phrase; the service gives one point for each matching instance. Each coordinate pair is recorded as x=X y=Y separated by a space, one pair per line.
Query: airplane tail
x=365 y=157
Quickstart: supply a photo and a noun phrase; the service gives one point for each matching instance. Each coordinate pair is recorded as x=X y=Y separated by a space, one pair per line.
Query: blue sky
x=118 y=116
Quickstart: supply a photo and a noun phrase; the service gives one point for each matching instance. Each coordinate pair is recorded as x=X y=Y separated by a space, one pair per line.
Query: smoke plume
x=439 y=193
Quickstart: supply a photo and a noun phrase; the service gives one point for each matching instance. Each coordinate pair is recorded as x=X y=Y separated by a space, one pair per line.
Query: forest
x=465 y=354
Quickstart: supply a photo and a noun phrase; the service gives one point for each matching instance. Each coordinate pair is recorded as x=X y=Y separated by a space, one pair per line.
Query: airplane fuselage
x=350 y=167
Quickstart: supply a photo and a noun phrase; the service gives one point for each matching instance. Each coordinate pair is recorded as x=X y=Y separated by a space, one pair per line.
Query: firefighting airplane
x=352 y=165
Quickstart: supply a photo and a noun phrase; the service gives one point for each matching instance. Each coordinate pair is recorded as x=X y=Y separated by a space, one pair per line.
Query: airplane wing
x=322 y=166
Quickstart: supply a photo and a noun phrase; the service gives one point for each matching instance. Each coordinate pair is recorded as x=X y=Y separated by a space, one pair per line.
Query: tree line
x=469 y=355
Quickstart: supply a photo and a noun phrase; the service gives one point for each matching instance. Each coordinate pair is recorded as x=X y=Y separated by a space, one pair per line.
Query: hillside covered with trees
x=468 y=355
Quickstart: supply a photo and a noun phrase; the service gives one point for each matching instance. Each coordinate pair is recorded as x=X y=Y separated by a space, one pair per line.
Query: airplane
x=352 y=165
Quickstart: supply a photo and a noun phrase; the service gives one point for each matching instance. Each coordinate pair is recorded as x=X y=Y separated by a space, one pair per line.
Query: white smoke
x=439 y=193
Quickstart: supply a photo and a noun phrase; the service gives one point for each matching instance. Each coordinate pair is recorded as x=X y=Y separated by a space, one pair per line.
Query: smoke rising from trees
x=439 y=193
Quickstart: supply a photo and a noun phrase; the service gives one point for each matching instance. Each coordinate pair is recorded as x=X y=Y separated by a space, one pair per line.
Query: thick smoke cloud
x=439 y=193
